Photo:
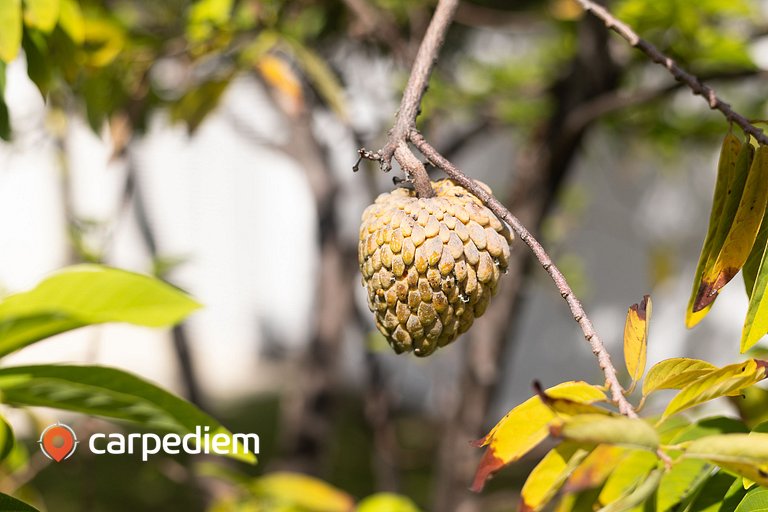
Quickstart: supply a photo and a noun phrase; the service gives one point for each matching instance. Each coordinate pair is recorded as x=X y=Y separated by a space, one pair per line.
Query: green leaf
x=728 y=380
x=41 y=14
x=5 y=120
x=71 y=21
x=38 y=60
x=680 y=482
x=630 y=473
x=107 y=392
x=10 y=35
x=756 y=500
x=84 y=295
x=549 y=475
x=714 y=491
x=11 y=504
x=743 y=454
x=638 y=496
x=601 y=429
x=386 y=502
x=675 y=373
x=321 y=76
x=7 y=440
x=302 y=492
x=195 y=105
x=756 y=321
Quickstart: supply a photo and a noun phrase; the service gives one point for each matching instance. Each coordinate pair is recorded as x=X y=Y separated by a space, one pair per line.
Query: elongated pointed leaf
x=743 y=454
x=756 y=500
x=675 y=373
x=741 y=236
x=728 y=380
x=715 y=491
x=106 y=392
x=680 y=482
x=10 y=34
x=41 y=14
x=593 y=471
x=756 y=321
x=636 y=338
x=627 y=475
x=549 y=475
x=725 y=173
x=525 y=426
x=84 y=295
x=638 y=496
x=600 y=429
x=294 y=491
x=11 y=504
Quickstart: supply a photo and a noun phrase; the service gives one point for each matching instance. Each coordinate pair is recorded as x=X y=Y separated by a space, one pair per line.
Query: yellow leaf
x=756 y=321
x=728 y=380
x=596 y=468
x=302 y=492
x=105 y=40
x=10 y=31
x=71 y=21
x=636 y=338
x=743 y=454
x=525 y=426
x=725 y=171
x=675 y=373
x=630 y=472
x=549 y=475
x=742 y=233
x=601 y=429
x=279 y=75
x=41 y=14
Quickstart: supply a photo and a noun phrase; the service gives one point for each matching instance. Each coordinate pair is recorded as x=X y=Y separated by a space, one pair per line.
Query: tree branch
x=418 y=81
x=681 y=75
x=598 y=348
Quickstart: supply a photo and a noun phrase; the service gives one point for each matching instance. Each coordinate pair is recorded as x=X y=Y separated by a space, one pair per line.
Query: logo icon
x=58 y=442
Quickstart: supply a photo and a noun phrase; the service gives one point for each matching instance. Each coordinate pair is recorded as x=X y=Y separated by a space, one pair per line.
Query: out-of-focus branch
x=378 y=25
x=397 y=144
x=681 y=75
x=577 y=311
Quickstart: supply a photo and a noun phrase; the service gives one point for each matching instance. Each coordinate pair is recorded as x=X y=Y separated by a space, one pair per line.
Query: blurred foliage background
x=548 y=87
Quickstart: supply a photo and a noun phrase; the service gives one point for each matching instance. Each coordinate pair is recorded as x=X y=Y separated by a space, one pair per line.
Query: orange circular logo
x=58 y=442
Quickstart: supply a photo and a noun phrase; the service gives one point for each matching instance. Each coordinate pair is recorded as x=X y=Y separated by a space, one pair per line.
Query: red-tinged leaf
x=524 y=427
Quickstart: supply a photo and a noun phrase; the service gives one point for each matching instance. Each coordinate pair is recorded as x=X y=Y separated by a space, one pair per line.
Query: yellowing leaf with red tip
x=725 y=173
x=549 y=475
x=726 y=381
x=525 y=426
x=742 y=234
x=636 y=337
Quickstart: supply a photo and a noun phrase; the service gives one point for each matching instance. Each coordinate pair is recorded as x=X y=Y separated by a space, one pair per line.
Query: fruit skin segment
x=741 y=220
x=430 y=265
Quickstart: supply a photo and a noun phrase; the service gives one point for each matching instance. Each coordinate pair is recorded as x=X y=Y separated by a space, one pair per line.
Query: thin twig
x=598 y=348
x=681 y=75
x=396 y=145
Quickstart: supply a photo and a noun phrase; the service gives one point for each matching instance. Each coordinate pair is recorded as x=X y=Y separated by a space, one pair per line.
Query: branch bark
x=418 y=81
x=681 y=75
x=577 y=311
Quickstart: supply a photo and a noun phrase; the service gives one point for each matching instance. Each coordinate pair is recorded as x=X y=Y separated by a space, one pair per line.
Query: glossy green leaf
x=675 y=373
x=756 y=500
x=728 y=380
x=630 y=473
x=717 y=490
x=10 y=35
x=680 y=482
x=41 y=14
x=638 y=496
x=84 y=295
x=106 y=392
x=756 y=321
x=600 y=429
x=11 y=504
